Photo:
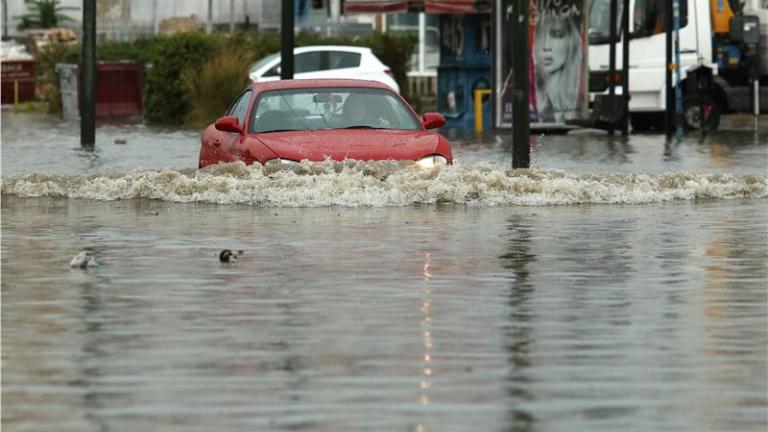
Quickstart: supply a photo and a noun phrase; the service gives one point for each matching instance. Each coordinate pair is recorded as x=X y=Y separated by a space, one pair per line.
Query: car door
x=228 y=142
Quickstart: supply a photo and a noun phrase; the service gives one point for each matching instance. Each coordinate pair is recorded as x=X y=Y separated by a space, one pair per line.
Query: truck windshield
x=600 y=21
x=649 y=17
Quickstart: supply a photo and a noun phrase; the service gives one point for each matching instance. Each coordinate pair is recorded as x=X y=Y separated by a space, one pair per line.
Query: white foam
x=378 y=184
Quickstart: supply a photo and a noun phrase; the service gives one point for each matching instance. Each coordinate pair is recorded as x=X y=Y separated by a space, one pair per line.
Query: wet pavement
x=377 y=297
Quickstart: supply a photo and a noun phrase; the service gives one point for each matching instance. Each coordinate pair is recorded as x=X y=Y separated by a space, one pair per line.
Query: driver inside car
x=360 y=112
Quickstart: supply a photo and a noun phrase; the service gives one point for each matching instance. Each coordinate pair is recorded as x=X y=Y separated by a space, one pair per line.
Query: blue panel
x=465 y=64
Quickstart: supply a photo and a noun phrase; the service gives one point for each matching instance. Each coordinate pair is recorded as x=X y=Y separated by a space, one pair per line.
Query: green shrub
x=164 y=97
x=393 y=51
x=212 y=88
x=174 y=63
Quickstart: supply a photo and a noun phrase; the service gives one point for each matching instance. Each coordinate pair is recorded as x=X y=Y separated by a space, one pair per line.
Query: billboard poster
x=559 y=70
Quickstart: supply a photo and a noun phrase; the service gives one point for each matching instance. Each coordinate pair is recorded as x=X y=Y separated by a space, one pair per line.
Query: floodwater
x=617 y=285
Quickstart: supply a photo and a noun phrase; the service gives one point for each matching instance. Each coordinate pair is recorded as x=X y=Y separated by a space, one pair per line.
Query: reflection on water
x=409 y=318
x=517 y=259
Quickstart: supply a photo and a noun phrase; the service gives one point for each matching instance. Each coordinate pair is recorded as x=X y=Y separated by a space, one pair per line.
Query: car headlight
x=430 y=162
x=280 y=162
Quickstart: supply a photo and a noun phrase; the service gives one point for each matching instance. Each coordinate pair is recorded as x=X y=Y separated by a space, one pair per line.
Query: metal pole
x=521 y=149
x=625 y=67
x=5 y=19
x=678 y=88
x=287 y=40
x=670 y=102
x=422 y=41
x=231 y=16
x=88 y=76
x=209 y=21
x=496 y=55
x=612 y=55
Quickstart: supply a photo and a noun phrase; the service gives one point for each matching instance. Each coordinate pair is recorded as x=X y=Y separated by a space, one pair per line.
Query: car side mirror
x=228 y=124
x=433 y=120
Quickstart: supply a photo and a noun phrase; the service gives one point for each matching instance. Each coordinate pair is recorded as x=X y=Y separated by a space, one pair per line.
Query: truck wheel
x=694 y=106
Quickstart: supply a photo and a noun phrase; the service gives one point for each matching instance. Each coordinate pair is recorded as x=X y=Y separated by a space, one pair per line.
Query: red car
x=284 y=122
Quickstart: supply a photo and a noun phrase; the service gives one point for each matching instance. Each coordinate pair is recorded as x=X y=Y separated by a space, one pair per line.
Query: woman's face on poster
x=552 y=44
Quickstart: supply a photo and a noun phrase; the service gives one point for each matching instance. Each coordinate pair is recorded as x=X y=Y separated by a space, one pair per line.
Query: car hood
x=360 y=144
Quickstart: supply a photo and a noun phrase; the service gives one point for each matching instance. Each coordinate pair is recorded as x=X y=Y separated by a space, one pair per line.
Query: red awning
x=375 y=6
x=457 y=6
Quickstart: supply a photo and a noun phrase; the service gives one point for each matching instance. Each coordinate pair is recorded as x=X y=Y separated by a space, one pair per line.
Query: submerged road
x=617 y=285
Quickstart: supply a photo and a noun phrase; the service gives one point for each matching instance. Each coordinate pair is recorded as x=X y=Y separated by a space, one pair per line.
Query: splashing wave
x=386 y=183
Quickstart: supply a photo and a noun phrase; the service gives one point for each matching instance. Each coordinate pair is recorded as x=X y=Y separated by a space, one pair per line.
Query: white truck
x=712 y=34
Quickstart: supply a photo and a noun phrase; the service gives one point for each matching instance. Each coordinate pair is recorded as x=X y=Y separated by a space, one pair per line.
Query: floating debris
x=227 y=256
x=83 y=260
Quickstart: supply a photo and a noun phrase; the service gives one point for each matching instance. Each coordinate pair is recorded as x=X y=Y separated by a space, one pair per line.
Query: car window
x=239 y=109
x=318 y=61
x=342 y=59
x=263 y=62
x=273 y=71
x=330 y=108
x=309 y=62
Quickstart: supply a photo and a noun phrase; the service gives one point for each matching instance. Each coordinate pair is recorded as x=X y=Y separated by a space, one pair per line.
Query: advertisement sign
x=559 y=71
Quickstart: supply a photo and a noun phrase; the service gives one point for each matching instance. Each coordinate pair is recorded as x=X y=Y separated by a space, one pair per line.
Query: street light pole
x=287 y=40
x=88 y=76
x=521 y=149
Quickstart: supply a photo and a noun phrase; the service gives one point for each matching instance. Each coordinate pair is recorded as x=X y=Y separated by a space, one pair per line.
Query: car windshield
x=330 y=108
x=259 y=64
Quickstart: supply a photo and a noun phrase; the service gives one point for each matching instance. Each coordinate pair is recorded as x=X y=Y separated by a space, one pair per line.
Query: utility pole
x=521 y=148
x=88 y=76
x=287 y=40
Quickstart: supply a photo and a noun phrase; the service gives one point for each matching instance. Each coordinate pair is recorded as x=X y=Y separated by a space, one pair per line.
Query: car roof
x=332 y=48
x=316 y=83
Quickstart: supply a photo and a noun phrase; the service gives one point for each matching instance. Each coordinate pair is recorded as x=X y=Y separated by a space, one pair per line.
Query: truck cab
x=700 y=44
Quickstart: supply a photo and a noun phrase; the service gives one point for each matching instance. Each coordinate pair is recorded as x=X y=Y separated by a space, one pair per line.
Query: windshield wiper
x=362 y=127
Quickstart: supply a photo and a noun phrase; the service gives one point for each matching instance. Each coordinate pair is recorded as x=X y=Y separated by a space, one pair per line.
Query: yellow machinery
x=721 y=13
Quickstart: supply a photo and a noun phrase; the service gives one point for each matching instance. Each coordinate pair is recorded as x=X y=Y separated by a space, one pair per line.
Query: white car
x=327 y=61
